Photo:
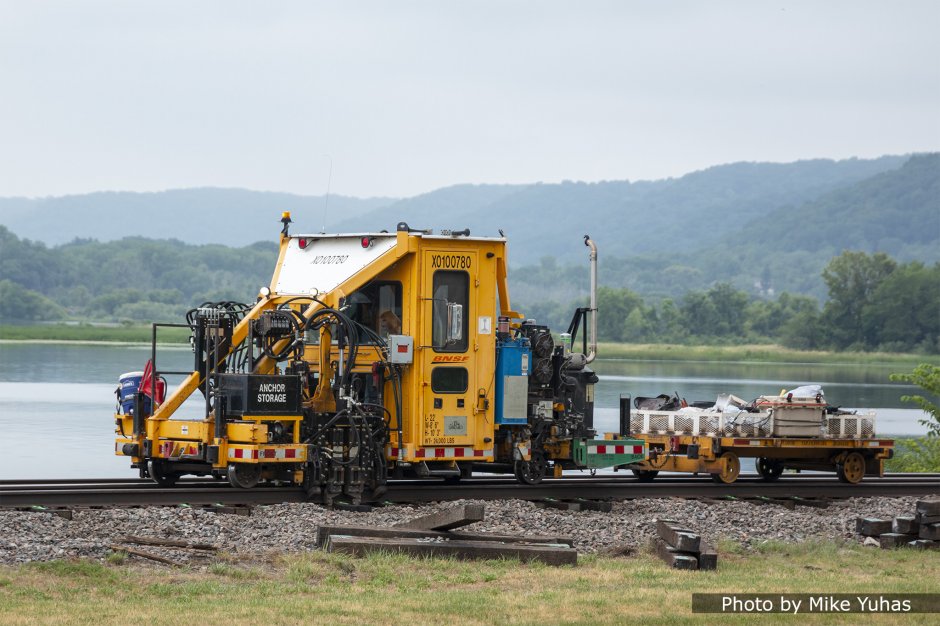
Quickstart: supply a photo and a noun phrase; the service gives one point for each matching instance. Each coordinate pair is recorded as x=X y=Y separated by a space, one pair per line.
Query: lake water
x=57 y=401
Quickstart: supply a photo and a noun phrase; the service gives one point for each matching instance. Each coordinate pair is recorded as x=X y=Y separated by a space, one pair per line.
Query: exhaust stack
x=593 y=338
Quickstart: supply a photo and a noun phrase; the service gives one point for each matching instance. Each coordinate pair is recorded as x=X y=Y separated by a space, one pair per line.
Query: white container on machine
x=795 y=416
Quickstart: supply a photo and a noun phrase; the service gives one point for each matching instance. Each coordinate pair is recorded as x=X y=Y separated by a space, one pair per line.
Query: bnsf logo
x=450 y=262
x=451 y=359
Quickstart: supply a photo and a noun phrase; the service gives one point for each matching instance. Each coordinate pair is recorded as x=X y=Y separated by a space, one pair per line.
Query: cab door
x=448 y=356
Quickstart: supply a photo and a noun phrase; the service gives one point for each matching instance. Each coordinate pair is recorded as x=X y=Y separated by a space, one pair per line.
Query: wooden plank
x=550 y=554
x=323 y=532
x=928 y=507
x=677 y=536
x=894 y=540
x=672 y=557
x=929 y=531
x=872 y=527
x=168 y=543
x=145 y=555
x=548 y=539
x=905 y=525
x=446 y=519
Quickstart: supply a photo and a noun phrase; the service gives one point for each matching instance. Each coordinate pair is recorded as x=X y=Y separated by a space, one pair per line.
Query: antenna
x=326 y=200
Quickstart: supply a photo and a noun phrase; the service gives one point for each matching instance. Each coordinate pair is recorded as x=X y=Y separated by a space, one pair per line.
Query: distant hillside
x=688 y=213
x=897 y=212
x=234 y=217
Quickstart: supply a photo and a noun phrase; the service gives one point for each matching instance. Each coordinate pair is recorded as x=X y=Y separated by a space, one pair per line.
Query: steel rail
x=808 y=475
x=484 y=489
x=621 y=478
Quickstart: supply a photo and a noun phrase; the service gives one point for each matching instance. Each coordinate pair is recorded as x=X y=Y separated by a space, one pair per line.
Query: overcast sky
x=406 y=97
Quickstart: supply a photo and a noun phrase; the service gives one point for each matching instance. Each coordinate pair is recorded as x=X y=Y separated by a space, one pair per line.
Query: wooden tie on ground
x=872 y=527
x=550 y=554
x=681 y=548
x=201 y=548
x=920 y=531
x=446 y=519
x=432 y=535
x=325 y=532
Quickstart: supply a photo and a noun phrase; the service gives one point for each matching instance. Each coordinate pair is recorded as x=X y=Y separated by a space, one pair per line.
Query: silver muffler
x=592 y=340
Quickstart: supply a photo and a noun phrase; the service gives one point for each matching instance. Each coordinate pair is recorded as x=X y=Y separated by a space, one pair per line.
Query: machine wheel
x=531 y=472
x=769 y=469
x=645 y=476
x=244 y=475
x=161 y=475
x=731 y=471
x=852 y=468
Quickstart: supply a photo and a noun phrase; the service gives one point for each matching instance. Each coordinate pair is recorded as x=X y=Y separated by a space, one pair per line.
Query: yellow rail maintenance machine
x=372 y=356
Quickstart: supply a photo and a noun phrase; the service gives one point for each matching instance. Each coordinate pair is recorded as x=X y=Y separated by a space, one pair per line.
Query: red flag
x=146 y=384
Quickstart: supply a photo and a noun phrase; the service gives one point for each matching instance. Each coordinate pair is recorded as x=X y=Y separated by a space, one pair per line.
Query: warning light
x=285 y=215
x=302 y=243
x=366 y=242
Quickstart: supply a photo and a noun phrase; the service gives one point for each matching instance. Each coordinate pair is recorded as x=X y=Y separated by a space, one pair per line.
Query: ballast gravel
x=291 y=528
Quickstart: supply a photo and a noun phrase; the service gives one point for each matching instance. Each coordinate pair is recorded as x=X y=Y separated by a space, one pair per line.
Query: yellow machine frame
x=412 y=261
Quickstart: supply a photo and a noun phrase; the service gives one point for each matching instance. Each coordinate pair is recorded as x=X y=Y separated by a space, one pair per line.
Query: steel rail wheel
x=852 y=468
x=769 y=469
x=732 y=468
x=160 y=474
x=531 y=472
x=645 y=476
x=244 y=475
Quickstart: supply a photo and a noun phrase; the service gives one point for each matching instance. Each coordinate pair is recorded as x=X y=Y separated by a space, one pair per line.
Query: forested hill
x=234 y=217
x=626 y=218
x=785 y=250
x=688 y=213
x=763 y=229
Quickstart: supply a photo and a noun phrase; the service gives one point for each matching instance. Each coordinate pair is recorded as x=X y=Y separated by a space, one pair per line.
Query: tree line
x=874 y=303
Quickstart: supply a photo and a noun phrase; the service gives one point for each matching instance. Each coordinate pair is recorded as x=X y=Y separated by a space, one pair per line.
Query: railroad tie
x=679 y=547
x=550 y=554
x=872 y=527
x=446 y=519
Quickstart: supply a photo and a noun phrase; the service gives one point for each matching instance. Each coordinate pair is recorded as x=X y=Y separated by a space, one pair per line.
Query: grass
x=764 y=353
x=755 y=353
x=389 y=589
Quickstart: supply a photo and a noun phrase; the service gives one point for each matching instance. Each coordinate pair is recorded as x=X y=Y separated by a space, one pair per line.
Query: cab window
x=376 y=307
x=449 y=379
x=450 y=287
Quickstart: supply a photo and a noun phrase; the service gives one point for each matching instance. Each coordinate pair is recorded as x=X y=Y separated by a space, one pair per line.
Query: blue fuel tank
x=512 y=381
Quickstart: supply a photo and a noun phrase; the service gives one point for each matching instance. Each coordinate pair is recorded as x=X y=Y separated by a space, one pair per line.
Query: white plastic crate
x=851 y=426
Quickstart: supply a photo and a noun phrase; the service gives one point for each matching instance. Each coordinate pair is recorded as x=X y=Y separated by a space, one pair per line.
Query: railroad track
x=134 y=492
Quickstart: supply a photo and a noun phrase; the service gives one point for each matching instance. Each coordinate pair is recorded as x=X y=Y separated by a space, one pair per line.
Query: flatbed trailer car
x=851 y=459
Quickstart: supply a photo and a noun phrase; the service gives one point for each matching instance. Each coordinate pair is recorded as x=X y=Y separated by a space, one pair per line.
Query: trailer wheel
x=732 y=467
x=852 y=468
x=645 y=476
x=769 y=470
